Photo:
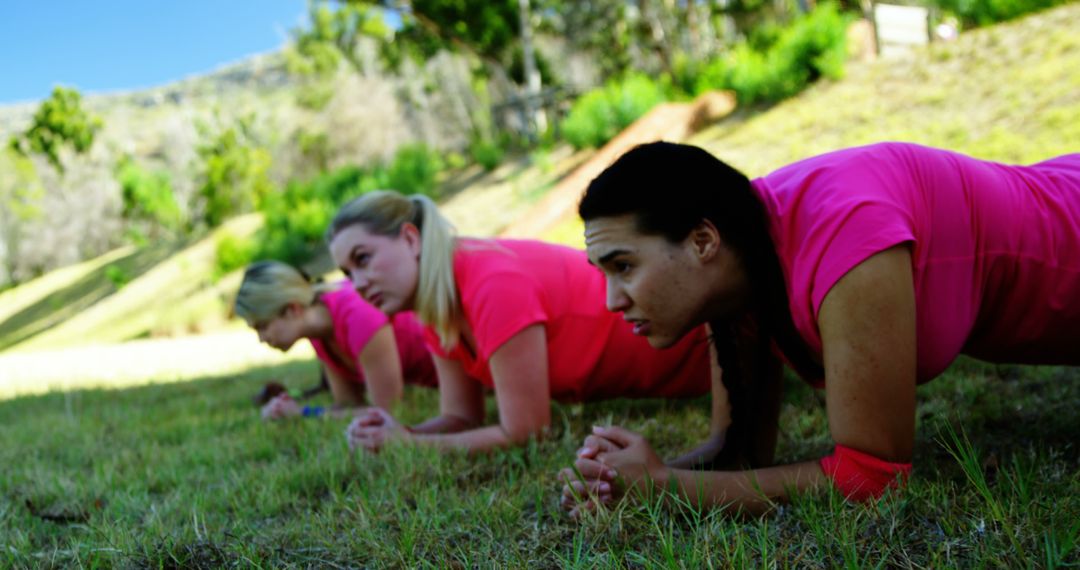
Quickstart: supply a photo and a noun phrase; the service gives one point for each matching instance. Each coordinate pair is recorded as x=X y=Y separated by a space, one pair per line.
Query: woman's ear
x=411 y=234
x=704 y=241
x=294 y=309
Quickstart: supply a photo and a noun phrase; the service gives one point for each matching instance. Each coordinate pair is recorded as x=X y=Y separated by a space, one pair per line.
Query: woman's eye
x=621 y=266
x=361 y=259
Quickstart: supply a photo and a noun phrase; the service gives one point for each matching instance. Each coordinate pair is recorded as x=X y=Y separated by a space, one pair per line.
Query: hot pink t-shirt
x=356 y=321
x=995 y=248
x=508 y=285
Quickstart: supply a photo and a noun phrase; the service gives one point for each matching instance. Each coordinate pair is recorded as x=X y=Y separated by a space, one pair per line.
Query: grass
x=186 y=475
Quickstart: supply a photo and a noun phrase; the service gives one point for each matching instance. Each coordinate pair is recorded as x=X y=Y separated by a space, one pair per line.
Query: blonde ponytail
x=383 y=213
x=268 y=286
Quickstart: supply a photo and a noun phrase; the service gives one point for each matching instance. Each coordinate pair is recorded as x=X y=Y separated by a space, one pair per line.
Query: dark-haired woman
x=867 y=270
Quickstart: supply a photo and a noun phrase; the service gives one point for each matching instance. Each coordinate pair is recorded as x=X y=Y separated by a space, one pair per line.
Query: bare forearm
x=701 y=455
x=474 y=440
x=750 y=491
x=443 y=424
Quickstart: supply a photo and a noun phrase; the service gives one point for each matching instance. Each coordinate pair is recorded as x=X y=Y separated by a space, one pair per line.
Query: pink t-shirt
x=356 y=321
x=508 y=285
x=995 y=248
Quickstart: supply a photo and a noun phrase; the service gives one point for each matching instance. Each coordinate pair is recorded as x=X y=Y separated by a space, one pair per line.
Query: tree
x=20 y=191
x=59 y=122
x=235 y=172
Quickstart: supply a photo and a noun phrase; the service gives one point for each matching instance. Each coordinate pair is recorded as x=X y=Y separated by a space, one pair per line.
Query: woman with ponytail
x=360 y=348
x=867 y=270
x=524 y=318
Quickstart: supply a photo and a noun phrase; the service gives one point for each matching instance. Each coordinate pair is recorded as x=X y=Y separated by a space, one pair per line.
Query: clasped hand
x=611 y=460
x=372 y=429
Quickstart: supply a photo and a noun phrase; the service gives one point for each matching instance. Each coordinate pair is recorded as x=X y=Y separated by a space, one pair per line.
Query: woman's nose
x=616 y=298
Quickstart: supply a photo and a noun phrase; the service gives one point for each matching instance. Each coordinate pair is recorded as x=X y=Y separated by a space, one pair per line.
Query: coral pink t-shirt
x=508 y=285
x=995 y=247
x=356 y=321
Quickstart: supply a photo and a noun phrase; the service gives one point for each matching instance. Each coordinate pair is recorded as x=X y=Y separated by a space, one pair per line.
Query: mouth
x=375 y=299
x=641 y=326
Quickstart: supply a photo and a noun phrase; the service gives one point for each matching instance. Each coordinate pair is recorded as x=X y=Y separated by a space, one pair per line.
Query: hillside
x=1009 y=93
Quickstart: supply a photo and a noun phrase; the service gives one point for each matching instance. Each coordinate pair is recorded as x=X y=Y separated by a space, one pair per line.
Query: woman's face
x=385 y=270
x=282 y=331
x=665 y=289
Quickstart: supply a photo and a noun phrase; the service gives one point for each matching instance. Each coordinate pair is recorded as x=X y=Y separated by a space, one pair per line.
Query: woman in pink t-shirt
x=868 y=270
x=523 y=318
x=359 y=347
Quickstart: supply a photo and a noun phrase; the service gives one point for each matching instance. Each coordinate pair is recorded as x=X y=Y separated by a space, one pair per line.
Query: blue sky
x=108 y=45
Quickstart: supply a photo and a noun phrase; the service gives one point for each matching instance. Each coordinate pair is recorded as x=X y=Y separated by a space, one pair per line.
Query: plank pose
x=524 y=318
x=867 y=270
x=360 y=348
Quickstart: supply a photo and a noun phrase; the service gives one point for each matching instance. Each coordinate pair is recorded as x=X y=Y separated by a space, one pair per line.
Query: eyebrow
x=610 y=255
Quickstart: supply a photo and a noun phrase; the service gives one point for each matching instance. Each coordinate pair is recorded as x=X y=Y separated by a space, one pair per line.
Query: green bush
x=778 y=64
x=414 y=170
x=235 y=173
x=296 y=219
x=232 y=252
x=148 y=197
x=985 y=12
x=487 y=153
x=117 y=275
x=597 y=116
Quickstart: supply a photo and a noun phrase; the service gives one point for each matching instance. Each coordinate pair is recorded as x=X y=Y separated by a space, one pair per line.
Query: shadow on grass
x=95 y=286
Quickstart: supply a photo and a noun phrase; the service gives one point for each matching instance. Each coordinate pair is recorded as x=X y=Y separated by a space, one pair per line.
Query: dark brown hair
x=670 y=189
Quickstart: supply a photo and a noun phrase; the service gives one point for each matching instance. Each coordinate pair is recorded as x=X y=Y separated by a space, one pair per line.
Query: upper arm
x=867 y=324
x=382 y=368
x=459 y=395
x=520 y=370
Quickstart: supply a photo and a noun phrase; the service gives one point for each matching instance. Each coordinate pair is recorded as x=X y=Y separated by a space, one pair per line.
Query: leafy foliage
x=234 y=172
x=232 y=252
x=296 y=219
x=148 y=197
x=985 y=12
x=602 y=113
x=60 y=121
x=814 y=46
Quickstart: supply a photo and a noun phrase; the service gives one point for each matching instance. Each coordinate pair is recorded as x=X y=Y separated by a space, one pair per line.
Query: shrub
x=231 y=253
x=985 y=12
x=235 y=173
x=600 y=114
x=296 y=218
x=414 y=170
x=487 y=153
x=117 y=275
x=779 y=64
x=148 y=197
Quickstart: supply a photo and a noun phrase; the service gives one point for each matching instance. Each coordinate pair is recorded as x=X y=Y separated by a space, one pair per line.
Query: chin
x=661 y=342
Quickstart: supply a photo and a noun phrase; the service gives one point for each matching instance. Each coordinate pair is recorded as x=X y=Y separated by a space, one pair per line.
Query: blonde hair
x=383 y=213
x=269 y=286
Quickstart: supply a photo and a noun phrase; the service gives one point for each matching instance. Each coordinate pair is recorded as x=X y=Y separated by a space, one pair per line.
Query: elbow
x=520 y=434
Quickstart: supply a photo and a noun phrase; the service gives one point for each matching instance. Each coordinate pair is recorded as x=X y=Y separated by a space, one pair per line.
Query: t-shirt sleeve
x=434 y=344
x=501 y=305
x=850 y=235
x=356 y=321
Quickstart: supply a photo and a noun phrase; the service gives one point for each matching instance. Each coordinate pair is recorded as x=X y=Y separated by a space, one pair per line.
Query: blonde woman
x=524 y=318
x=360 y=348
